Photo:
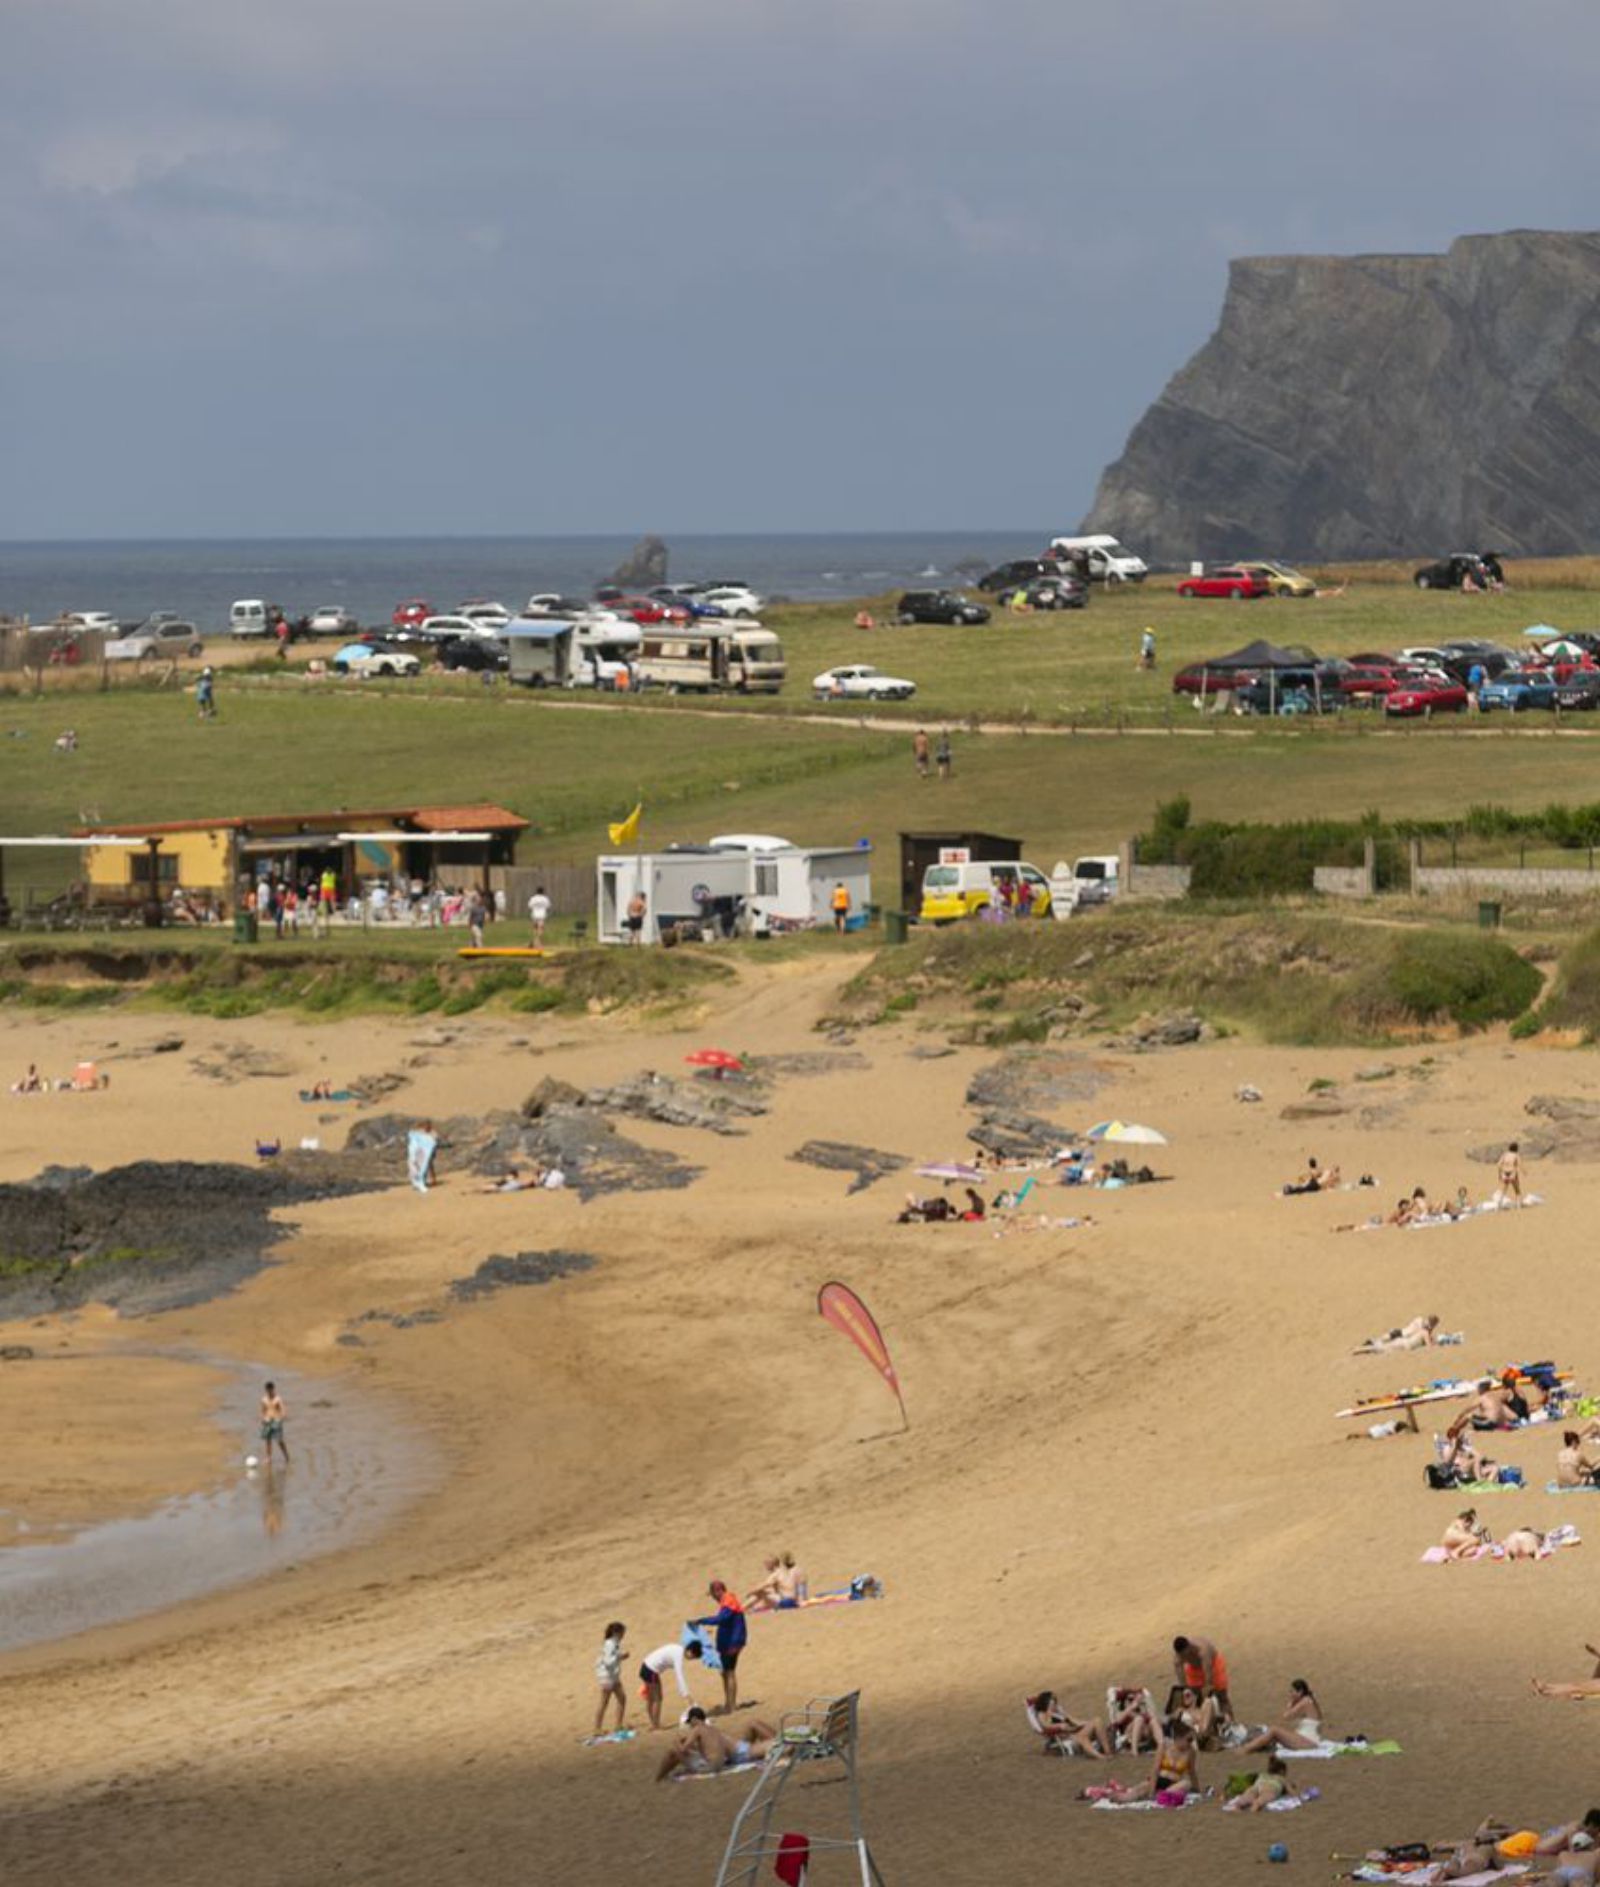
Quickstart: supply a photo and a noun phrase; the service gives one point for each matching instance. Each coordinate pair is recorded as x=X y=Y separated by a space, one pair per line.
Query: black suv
x=1018 y=575
x=939 y=606
x=1480 y=568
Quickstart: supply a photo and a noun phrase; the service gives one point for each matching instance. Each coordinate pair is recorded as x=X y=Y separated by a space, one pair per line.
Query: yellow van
x=954 y=891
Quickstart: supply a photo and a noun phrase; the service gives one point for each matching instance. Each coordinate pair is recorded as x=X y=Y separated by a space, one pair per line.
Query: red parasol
x=716 y=1059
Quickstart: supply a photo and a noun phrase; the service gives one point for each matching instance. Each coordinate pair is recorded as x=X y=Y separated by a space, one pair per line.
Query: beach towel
x=339 y=1094
x=716 y=1775
x=420 y=1149
x=794 y=1857
x=863 y=1587
x=1187 y=1801
x=1432 y=1874
x=1356 y=1746
x=1555 y=1487
x=706 y=1637
x=1556 y=1538
x=611 y=1736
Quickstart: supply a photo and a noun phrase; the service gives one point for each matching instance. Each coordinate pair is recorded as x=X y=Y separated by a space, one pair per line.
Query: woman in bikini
x=1301 y=1727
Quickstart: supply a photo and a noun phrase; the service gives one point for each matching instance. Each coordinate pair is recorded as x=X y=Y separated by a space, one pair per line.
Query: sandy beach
x=1118 y=1432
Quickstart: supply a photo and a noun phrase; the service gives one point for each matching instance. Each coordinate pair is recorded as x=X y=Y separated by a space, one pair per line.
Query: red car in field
x=409 y=614
x=1230 y=580
x=1200 y=680
x=1427 y=694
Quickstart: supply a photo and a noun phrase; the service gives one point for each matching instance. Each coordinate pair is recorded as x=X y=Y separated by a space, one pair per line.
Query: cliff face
x=1371 y=406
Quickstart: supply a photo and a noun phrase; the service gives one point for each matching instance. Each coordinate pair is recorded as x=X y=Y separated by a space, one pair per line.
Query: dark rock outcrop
x=644 y=566
x=1377 y=406
x=868 y=1164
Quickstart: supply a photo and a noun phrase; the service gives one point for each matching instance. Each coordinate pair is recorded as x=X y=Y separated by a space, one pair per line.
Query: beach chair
x=85 y=1077
x=1056 y=1742
x=1120 y=1698
x=824 y=1736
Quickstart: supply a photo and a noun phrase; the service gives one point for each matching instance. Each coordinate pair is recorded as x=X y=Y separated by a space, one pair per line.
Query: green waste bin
x=1488 y=915
x=246 y=927
x=894 y=927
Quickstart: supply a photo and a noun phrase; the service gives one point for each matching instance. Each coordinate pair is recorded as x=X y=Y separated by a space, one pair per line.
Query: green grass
x=1290 y=977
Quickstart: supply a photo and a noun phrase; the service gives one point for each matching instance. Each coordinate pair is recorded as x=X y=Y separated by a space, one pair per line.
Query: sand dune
x=1117 y=1432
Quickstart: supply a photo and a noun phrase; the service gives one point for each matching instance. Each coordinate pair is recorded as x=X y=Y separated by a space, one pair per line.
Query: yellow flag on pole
x=628 y=830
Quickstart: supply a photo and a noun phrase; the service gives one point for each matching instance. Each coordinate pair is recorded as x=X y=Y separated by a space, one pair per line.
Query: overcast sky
x=394 y=267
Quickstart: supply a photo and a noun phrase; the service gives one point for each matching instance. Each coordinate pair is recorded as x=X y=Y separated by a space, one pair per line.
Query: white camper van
x=1109 y=561
x=698 y=657
x=248 y=618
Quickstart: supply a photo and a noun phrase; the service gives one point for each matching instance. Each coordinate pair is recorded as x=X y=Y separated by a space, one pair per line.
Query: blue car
x=1518 y=690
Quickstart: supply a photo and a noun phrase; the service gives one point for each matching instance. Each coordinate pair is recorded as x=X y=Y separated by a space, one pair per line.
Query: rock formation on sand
x=1371 y=406
x=644 y=566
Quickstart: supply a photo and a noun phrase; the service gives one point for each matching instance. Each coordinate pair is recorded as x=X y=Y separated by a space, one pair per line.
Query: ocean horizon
x=200 y=578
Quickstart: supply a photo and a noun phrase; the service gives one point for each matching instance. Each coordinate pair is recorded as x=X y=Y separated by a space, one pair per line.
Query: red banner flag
x=846 y=1312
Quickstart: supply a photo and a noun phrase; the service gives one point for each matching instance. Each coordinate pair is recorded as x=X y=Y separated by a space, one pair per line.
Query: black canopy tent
x=1261 y=657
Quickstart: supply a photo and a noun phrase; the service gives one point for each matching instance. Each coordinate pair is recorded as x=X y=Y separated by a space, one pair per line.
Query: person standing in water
x=272 y=1420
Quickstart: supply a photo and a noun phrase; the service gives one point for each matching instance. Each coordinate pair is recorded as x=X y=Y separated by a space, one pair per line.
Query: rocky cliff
x=1371 y=406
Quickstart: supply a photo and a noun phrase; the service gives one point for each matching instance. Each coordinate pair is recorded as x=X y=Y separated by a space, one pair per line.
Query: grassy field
x=570 y=764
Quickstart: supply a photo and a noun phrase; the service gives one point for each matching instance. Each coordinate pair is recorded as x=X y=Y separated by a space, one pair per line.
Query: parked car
x=1518 y=690
x=1364 y=682
x=1230 y=580
x=414 y=610
x=1426 y=694
x=939 y=606
x=1198 y=679
x=860 y=681
x=96 y=621
x=728 y=599
x=1479 y=568
x=953 y=891
x=1281 y=579
x=161 y=634
x=331 y=619
x=442 y=627
x=1019 y=574
x=375 y=658
x=474 y=654
x=1581 y=693
x=649 y=609
x=1062 y=592
x=479 y=609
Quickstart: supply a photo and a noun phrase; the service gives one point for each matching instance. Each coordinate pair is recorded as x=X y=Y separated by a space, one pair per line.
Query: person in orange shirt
x=841 y=906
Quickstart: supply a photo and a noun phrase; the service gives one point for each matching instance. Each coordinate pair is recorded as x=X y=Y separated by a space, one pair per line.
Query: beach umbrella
x=718 y=1060
x=1541 y=629
x=949 y=1169
x=1127 y=1133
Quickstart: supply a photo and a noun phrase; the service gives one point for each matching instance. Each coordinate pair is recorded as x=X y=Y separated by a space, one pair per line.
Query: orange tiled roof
x=475 y=818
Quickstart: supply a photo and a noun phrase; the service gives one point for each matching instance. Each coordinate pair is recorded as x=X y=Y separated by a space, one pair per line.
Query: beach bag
x=1438 y=1478
x=1413 y=1853
x=1511 y=1477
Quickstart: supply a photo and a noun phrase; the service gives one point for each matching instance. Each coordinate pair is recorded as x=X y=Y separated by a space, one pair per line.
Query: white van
x=962 y=887
x=248 y=618
x=1109 y=561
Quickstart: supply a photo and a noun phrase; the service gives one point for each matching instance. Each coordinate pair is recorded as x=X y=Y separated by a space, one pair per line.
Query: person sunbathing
x=1523 y=1543
x=1301 y=1727
x=1174 y=1776
x=1419 y=1334
x=1063 y=1731
x=1313 y=1179
x=930 y=1211
x=1268 y=1788
x=703 y=1749
x=321 y=1091
x=1465 y=1536
x=783 y=1588
x=1479 y=1853
x=1573 y=1466
x=1132 y=1722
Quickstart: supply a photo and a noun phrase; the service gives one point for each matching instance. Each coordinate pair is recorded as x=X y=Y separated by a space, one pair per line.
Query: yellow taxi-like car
x=953 y=891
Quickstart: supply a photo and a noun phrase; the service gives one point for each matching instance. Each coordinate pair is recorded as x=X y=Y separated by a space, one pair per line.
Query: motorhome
x=705 y=658
x=1107 y=560
x=603 y=653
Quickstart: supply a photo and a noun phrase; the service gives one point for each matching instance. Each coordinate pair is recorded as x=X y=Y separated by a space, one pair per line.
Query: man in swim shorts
x=272 y=1418
x=704 y=1749
x=1198 y=1663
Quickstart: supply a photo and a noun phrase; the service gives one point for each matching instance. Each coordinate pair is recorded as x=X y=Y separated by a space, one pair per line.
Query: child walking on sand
x=608 y=1673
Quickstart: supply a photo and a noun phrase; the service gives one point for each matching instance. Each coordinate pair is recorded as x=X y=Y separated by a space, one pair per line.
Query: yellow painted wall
x=202 y=861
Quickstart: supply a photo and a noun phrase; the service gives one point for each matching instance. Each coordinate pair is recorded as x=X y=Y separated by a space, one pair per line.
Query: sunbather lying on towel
x=1059 y=1729
x=706 y=1749
x=1419 y=1334
x=1300 y=1726
x=1173 y=1778
x=931 y=1211
x=1268 y=1788
x=1313 y=1179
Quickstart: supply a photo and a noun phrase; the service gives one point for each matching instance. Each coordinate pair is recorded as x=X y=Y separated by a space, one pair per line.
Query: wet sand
x=1117 y=1433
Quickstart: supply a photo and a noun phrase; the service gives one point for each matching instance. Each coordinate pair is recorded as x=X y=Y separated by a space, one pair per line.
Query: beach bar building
x=451 y=845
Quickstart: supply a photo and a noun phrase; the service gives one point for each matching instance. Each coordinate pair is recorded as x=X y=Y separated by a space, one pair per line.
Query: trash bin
x=246 y=927
x=1488 y=915
x=894 y=927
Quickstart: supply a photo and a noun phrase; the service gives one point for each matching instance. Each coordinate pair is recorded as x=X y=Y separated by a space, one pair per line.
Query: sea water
x=200 y=579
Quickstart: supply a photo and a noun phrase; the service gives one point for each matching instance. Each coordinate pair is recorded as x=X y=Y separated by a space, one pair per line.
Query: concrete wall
x=1342 y=881
x=1162 y=882
x=1465 y=881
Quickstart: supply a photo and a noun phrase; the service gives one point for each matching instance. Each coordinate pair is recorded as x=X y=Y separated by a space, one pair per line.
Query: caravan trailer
x=750 y=885
x=705 y=658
